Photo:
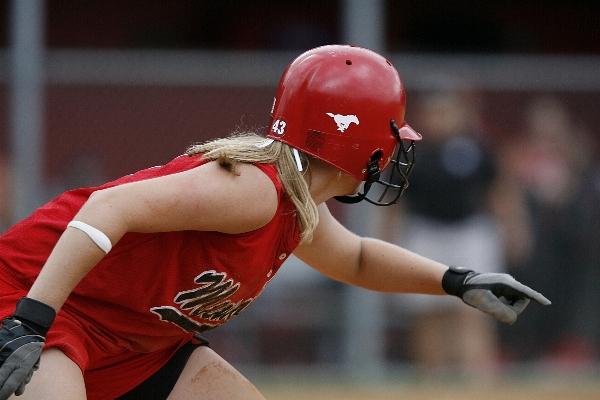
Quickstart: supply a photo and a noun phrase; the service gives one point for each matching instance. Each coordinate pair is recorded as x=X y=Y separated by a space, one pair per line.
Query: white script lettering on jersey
x=210 y=302
x=343 y=121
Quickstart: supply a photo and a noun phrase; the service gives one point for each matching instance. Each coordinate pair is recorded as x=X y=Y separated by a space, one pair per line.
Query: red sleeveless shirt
x=153 y=289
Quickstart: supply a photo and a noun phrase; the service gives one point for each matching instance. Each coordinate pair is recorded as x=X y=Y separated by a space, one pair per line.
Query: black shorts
x=160 y=385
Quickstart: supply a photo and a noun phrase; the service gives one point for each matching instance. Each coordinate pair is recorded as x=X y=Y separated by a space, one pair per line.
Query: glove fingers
x=21 y=389
x=18 y=368
x=520 y=305
x=504 y=284
x=530 y=293
x=5 y=371
x=487 y=302
x=8 y=388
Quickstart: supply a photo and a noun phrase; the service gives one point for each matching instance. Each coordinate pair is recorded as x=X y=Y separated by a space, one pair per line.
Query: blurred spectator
x=447 y=218
x=552 y=163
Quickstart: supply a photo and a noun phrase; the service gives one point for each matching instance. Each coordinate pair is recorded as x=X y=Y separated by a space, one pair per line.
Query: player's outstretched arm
x=377 y=265
x=368 y=263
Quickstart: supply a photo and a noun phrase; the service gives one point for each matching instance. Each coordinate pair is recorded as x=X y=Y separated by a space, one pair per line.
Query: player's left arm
x=369 y=263
x=377 y=265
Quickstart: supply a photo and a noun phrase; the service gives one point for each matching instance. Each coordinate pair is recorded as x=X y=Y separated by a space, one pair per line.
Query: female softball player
x=104 y=290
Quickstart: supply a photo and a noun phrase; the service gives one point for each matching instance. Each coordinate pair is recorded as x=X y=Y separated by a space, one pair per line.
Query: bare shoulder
x=208 y=197
x=245 y=201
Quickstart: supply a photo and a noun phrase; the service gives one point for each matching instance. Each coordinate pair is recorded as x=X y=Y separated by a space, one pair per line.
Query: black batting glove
x=498 y=295
x=22 y=338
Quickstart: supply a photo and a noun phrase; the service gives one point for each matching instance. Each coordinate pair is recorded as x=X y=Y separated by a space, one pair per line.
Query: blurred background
x=506 y=94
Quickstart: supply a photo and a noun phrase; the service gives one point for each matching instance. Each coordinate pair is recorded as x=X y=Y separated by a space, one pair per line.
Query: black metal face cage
x=392 y=185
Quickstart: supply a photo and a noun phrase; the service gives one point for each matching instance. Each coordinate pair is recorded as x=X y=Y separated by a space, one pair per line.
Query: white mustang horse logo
x=343 y=121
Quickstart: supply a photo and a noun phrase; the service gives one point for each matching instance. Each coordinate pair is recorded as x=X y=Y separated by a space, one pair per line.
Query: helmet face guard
x=389 y=191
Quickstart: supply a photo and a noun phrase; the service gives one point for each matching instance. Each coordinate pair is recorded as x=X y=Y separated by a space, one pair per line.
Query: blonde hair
x=249 y=147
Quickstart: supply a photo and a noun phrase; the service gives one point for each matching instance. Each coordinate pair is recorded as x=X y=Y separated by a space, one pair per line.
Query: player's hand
x=499 y=295
x=22 y=338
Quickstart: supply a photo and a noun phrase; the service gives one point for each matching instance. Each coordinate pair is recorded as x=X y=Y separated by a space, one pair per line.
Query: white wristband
x=96 y=235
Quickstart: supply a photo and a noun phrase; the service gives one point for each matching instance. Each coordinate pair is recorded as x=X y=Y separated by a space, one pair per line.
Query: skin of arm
x=368 y=263
x=207 y=197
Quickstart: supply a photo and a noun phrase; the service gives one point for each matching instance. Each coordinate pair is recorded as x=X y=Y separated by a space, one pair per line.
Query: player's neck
x=326 y=181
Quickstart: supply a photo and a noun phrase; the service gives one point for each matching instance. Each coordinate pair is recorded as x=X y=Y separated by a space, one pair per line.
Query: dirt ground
x=543 y=390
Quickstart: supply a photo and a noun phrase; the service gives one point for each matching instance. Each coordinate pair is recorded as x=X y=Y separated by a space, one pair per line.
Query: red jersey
x=154 y=289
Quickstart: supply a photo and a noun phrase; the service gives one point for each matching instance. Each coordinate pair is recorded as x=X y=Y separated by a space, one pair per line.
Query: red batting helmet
x=345 y=105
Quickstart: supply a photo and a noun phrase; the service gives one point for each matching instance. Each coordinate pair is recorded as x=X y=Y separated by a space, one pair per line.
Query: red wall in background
x=128 y=128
